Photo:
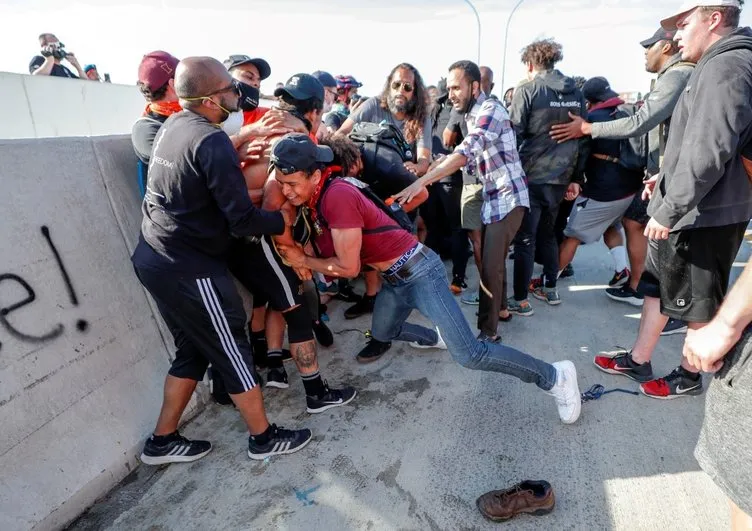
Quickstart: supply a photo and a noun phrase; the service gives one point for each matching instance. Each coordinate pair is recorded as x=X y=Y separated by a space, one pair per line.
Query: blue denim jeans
x=426 y=289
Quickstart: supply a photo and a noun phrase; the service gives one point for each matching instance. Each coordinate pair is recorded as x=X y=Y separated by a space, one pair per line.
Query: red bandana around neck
x=325 y=176
x=165 y=108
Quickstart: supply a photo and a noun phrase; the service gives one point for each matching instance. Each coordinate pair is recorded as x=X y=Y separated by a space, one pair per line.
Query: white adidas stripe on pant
x=278 y=271
x=230 y=347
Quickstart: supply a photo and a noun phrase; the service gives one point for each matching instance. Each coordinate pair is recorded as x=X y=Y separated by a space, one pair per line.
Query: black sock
x=161 y=440
x=274 y=359
x=262 y=438
x=258 y=343
x=314 y=385
x=689 y=374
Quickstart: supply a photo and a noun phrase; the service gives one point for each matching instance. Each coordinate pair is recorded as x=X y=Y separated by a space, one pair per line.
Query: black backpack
x=373 y=137
x=633 y=152
x=394 y=211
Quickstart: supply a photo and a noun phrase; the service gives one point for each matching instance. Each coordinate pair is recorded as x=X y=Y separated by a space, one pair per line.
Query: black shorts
x=638 y=210
x=690 y=271
x=206 y=318
x=259 y=268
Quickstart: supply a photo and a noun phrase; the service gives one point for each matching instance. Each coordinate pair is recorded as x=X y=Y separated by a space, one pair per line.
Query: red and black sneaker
x=678 y=383
x=620 y=278
x=620 y=362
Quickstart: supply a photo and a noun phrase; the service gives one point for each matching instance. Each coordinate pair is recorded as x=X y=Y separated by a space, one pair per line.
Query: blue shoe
x=521 y=308
x=548 y=295
x=472 y=298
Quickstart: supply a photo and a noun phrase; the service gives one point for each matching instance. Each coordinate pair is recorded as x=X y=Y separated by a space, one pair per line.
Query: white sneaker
x=566 y=392
x=439 y=344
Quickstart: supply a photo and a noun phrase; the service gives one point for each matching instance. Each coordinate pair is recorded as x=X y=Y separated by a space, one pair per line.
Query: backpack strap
x=352 y=182
x=681 y=63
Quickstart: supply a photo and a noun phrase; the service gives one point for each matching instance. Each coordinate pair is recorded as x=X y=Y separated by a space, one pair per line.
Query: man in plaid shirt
x=489 y=152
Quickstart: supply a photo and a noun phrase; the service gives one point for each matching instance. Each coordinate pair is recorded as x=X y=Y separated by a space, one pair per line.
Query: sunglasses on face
x=407 y=87
x=232 y=86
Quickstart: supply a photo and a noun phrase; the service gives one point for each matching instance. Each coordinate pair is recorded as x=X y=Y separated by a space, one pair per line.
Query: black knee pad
x=311 y=296
x=649 y=286
x=299 y=325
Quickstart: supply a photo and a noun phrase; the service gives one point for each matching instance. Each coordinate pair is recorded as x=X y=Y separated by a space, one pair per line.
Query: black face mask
x=249 y=96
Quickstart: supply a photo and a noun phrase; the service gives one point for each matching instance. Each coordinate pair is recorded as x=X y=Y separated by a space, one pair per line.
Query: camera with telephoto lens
x=55 y=49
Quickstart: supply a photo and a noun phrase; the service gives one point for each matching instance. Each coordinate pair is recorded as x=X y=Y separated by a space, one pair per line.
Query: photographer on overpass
x=52 y=54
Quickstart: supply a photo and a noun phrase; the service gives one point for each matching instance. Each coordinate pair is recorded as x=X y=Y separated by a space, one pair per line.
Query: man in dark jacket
x=610 y=187
x=662 y=57
x=702 y=201
x=553 y=170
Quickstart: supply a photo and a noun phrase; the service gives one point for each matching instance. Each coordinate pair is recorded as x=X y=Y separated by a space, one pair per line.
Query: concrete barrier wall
x=44 y=106
x=82 y=359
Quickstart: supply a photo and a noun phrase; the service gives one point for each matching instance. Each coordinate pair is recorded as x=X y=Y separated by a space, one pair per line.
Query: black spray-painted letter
x=5 y=311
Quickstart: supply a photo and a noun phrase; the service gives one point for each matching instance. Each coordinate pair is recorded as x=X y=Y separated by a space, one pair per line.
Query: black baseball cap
x=302 y=87
x=598 y=89
x=297 y=152
x=236 y=60
x=325 y=78
x=660 y=35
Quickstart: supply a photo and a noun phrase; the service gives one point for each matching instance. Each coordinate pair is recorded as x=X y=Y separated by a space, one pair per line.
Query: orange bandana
x=165 y=108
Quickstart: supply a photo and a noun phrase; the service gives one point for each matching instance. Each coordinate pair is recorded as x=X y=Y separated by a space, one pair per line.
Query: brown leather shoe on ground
x=529 y=497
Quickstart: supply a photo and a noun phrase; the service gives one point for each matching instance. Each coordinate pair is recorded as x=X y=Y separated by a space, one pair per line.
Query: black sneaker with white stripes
x=332 y=398
x=173 y=449
x=281 y=441
x=277 y=378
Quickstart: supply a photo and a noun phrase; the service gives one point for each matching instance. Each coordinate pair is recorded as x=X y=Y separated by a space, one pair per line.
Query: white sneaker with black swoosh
x=332 y=398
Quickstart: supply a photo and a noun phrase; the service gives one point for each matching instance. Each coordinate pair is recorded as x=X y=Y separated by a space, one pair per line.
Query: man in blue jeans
x=350 y=230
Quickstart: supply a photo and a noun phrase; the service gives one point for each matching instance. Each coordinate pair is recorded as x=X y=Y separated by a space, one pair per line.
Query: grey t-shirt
x=371 y=111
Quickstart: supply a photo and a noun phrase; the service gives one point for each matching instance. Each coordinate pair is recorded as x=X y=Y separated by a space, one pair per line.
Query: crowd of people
x=255 y=219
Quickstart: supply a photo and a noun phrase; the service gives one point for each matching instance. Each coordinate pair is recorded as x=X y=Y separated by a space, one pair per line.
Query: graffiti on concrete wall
x=44 y=333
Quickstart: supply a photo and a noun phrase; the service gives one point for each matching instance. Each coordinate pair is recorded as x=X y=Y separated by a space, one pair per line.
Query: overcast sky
x=365 y=38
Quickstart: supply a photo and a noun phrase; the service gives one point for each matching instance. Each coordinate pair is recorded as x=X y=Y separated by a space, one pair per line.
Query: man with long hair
x=404 y=103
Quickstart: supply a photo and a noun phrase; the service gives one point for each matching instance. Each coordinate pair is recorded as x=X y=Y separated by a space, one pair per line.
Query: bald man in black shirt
x=195 y=202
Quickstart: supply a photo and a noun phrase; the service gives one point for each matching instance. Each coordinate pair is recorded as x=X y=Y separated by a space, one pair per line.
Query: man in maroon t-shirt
x=350 y=230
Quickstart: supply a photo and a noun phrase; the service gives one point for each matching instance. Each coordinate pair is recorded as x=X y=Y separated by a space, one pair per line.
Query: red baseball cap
x=156 y=69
